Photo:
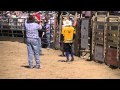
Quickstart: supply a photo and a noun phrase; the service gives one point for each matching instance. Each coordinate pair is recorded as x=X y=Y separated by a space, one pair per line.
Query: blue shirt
x=48 y=28
x=32 y=30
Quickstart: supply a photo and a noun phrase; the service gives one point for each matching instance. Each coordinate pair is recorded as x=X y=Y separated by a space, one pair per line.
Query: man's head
x=30 y=19
x=67 y=23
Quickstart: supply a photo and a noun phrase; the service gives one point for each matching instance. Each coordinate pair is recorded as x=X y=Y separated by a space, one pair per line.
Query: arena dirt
x=13 y=65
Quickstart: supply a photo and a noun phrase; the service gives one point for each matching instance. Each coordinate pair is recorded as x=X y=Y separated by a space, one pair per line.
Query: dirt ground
x=13 y=65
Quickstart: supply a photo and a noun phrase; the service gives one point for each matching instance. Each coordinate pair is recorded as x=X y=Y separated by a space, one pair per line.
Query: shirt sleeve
x=47 y=26
x=74 y=31
x=39 y=26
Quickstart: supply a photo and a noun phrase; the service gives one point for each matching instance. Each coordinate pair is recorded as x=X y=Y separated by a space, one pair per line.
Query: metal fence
x=106 y=40
x=99 y=38
x=14 y=28
x=113 y=43
x=85 y=38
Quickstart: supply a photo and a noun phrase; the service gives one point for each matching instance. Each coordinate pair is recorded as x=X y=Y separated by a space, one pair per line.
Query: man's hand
x=43 y=34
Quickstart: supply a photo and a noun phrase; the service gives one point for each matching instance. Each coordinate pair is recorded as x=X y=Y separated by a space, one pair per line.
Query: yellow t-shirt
x=68 y=32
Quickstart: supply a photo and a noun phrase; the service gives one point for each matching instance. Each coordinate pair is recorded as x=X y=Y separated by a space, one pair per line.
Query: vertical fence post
x=60 y=28
x=54 y=34
x=75 y=44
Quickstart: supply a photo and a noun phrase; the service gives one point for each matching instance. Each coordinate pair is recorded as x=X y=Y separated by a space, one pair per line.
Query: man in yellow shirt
x=68 y=35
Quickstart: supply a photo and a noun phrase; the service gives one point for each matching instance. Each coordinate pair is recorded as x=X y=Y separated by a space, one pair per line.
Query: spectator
x=32 y=41
x=14 y=15
x=52 y=19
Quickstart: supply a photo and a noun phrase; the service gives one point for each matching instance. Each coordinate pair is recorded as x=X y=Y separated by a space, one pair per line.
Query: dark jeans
x=68 y=50
x=67 y=47
x=48 y=40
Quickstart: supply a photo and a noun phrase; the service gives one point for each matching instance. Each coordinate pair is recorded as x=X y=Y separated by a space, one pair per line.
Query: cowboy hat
x=67 y=23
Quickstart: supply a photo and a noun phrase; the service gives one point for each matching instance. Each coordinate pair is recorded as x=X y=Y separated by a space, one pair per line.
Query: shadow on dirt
x=61 y=60
x=25 y=66
x=113 y=67
x=21 y=40
x=13 y=39
x=62 y=55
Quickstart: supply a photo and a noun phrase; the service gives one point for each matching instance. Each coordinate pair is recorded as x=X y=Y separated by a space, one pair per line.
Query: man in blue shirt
x=32 y=41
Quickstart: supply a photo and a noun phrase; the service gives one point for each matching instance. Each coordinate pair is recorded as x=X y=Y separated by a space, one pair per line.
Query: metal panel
x=84 y=33
x=85 y=39
x=112 y=46
x=99 y=55
x=99 y=38
x=76 y=45
x=112 y=56
x=56 y=39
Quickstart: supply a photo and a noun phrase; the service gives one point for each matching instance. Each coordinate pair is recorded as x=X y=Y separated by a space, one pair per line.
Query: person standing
x=32 y=41
x=68 y=35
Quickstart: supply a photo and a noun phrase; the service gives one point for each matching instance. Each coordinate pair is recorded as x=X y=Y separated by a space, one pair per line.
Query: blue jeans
x=32 y=46
x=40 y=45
x=68 y=49
x=48 y=40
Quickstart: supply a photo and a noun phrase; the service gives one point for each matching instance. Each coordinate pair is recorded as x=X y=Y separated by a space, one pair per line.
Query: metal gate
x=12 y=27
x=56 y=34
x=113 y=43
x=99 y=38
x=77 y=38
x=85 y=38
x=76 y=16
x=52 y=31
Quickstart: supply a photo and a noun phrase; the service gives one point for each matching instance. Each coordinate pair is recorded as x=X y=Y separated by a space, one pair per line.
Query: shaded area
x=113 y=67
x=62 y=55
x=61 y=60
x=13 y=39
x=25 y=66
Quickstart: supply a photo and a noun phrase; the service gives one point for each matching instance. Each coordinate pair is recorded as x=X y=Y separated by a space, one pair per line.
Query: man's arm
x=37 y=19
x=39 y=26
x=62 y=35
x=74 y=34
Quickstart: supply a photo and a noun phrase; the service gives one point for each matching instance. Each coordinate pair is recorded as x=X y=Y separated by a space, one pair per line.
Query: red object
x=37 y=15
x=111 y=57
